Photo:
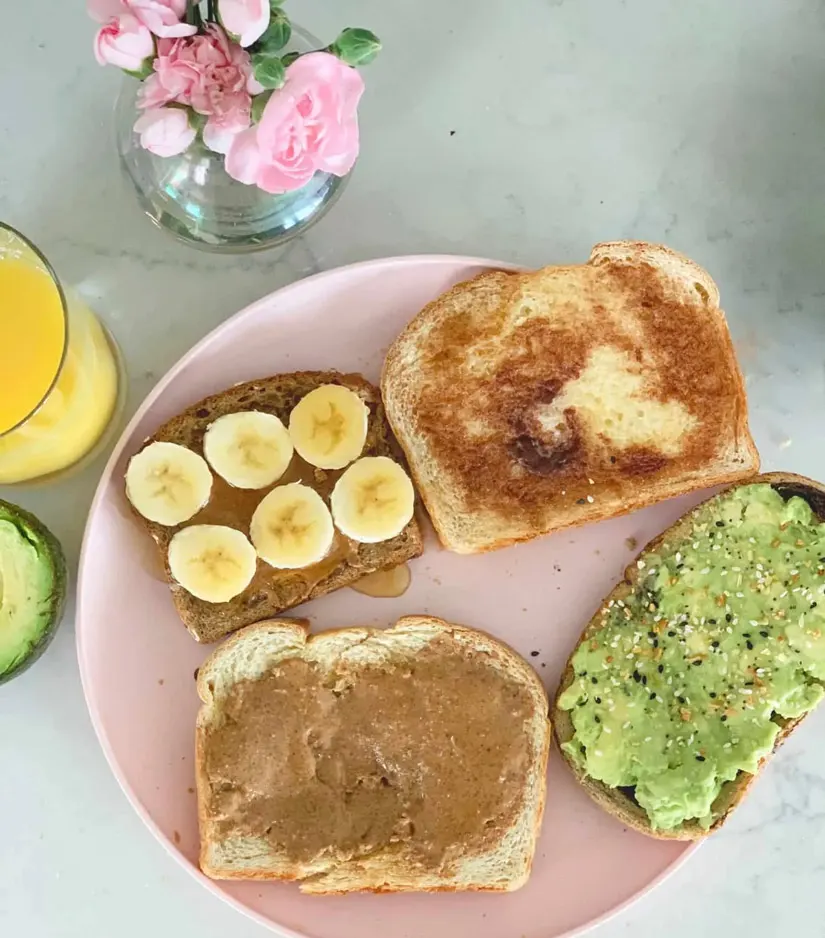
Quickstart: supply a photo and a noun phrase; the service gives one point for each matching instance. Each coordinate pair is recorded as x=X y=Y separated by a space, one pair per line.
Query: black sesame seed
x=594 y=680
x=583 y=674
x=652 y=696
x=701 y=758
x=748 y=683
x=681 y=699
x=671 y=634
x=764 y=634
x=661 y=668
x=720 y=524
x=534 y=654
x=651 y=635
x=580 y=501
x=749 y=645
x=598 y=699
x=637 y=677
x=724 y=719
x=696 y=663
x=715 y=644
x=713 y=694
x=582 y=749
x=728 y=617
x=746 y=634
x=597 y=718
x=813 y=604
x=644 y=679
x=712 y=621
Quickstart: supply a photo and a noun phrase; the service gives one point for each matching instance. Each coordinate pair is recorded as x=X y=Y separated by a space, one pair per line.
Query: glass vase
x=193 y=197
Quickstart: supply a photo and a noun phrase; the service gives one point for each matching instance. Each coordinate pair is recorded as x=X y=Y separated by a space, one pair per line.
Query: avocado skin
x=36 y=531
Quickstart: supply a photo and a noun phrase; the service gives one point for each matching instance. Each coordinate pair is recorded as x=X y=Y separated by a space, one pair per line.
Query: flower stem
x=211 y=12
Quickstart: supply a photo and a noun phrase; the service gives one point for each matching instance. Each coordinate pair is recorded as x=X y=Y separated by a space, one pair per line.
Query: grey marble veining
x=525 y=131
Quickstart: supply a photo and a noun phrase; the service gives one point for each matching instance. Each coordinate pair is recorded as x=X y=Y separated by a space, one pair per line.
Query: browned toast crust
x=619 y=803
x=271 y=592
x=469 y=383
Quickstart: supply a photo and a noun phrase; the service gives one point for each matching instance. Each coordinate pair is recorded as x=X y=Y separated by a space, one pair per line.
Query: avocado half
x=32 y=589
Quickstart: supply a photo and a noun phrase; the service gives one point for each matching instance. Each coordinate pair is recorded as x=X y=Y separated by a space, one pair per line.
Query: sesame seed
x=590 y=499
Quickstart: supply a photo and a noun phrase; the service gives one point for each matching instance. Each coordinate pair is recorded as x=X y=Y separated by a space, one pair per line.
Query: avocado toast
x=702 y=661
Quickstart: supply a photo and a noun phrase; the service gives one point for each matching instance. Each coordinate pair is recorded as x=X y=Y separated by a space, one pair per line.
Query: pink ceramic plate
x=137 y=661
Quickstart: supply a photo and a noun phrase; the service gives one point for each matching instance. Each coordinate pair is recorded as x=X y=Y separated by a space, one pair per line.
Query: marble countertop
x=526 y=131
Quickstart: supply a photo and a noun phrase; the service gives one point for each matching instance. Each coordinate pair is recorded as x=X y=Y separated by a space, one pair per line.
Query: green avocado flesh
x=32 y=588
x=681 y=687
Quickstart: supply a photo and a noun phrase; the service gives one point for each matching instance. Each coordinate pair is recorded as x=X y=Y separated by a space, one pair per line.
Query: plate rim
x=226 y=325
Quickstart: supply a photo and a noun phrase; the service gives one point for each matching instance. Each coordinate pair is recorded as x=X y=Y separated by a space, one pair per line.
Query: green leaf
x=274 y=5
x=277 y=34
x=259 y=102
x=356 y=46
x=289 y=58
x=144 y=72
x=269 y=70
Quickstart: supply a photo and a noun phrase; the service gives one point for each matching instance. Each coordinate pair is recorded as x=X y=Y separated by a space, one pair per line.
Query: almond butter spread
x=432 y=752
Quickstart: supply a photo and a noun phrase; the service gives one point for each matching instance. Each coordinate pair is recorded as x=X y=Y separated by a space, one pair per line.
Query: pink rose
x=165 y=131
x=125 y=42
x=245 y=19
x=162 y=17
x=309 y=124
x=209 y=74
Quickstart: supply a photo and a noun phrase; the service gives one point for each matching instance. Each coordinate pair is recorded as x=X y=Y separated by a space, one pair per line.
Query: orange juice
x=58 y=374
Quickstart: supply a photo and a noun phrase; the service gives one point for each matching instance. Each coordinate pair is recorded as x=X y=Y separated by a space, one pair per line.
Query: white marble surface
x=526 y=131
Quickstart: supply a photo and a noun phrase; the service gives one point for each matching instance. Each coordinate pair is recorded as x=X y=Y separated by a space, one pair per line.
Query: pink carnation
x=209 y=74
x=309 y=124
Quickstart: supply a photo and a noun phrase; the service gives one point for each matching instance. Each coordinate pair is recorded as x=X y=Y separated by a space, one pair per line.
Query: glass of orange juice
x=59 y=368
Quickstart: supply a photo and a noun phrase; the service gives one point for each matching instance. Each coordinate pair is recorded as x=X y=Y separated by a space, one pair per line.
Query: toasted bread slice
x=527 y=403
x=273 y=591
x=620 y=802
x=375 y=741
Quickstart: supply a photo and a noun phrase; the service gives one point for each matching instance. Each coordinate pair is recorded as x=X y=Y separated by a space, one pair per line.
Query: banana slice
x=329 y=426
x=251 y=450
x=373 y=500
x=168 y=483
x=292 y=527
x=212 y=562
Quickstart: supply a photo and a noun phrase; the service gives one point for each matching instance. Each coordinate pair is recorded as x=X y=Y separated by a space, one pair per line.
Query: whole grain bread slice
x=531 y=402
x=500 y=863
x=619 y=802
x=274 y=591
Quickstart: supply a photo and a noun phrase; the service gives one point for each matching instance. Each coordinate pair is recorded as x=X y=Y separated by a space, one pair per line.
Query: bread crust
x=297 y=634
x=269 y=596
x=613 y=800
x=470 y=408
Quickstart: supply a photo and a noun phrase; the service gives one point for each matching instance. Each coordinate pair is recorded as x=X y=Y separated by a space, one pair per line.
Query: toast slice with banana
x=531 y=402
x=702 y=661
x=272 y=493
x=411 y=758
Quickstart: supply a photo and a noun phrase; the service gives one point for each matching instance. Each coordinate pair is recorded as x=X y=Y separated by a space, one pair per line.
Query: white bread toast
x=499 y=861
x=621 y=802
x=531 y=402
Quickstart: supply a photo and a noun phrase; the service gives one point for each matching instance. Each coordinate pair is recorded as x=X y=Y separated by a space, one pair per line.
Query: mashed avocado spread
x=679 y=688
